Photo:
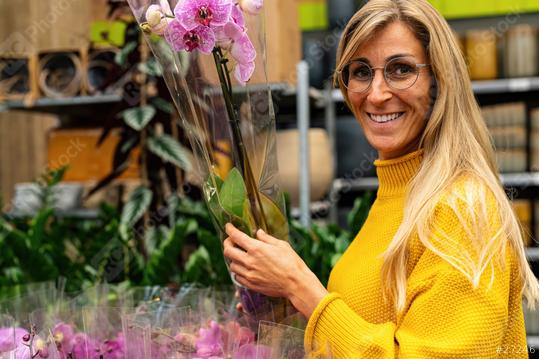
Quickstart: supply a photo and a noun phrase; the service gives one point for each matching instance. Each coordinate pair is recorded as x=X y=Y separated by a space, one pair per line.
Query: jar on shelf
x=481 y=54
x=520 y=55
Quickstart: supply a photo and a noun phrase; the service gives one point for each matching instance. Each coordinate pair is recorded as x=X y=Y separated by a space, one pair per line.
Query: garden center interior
x=103 y=181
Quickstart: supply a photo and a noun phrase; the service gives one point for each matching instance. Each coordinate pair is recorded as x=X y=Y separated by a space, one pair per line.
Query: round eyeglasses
x=400 y=74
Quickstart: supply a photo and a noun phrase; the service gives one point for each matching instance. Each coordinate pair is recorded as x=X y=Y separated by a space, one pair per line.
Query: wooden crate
x=79 y=58
x=77 y=148
x=18 y=77
x=22 y=149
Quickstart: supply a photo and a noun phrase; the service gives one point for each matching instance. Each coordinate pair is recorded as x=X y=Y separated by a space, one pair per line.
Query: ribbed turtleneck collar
x=395 y=174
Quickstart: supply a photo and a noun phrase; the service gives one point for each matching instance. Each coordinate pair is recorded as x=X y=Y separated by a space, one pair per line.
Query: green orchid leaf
x=211 y=189
x=170 y=150
x=233 y=193
x=275 y=219
x=238 y=222
x=137 y=204
x=137 y=118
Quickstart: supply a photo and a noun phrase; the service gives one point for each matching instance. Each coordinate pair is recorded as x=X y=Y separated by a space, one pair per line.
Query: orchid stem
x=244 y=164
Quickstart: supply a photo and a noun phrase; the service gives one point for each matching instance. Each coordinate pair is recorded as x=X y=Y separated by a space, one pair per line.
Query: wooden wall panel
x=22 y=148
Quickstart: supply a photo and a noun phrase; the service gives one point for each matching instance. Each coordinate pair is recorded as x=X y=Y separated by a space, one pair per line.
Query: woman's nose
x=379 y=91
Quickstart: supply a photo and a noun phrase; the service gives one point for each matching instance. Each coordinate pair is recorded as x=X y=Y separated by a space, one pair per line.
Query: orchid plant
x=218 y=27
x=245 y=194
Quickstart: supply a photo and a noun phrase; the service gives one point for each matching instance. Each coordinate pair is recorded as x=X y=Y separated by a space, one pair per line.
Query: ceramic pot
x=320 y=161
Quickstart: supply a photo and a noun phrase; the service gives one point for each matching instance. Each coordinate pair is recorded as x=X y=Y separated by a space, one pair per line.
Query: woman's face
x=393 y=120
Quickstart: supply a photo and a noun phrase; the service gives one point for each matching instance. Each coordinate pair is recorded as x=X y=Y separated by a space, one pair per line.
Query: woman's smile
x=385 y=117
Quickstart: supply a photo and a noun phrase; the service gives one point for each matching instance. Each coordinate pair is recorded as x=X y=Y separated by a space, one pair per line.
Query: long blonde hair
x=455 y=142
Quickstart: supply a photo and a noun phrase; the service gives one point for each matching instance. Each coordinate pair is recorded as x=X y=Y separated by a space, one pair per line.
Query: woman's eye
x=361 y=72
x=401 y=69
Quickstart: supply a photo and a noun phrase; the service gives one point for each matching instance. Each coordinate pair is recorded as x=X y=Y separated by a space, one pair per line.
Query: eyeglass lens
x=399 y=73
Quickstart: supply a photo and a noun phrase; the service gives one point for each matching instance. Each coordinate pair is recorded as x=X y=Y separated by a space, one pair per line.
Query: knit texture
x=444 y=316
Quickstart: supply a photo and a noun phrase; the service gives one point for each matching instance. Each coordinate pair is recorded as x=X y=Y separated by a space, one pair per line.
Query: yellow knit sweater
x=444 y=316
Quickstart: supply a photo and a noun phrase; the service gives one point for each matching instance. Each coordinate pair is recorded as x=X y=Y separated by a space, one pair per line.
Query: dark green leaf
x=134 y=209
x=360 y=211
x=342 y=243
x=56 y=175
x=38 y=227
x=116 y=172
x=215 y=250
x=334 y=258
x=154 y=236
x=137 y=118
x=122 y=55
x=198 y=266
x=169 y=150
x=163 y=262
x=162 y=105
x=129 y=144
x=151 y=67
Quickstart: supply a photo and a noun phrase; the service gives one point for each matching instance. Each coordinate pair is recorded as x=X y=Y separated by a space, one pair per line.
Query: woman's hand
x=271 y=267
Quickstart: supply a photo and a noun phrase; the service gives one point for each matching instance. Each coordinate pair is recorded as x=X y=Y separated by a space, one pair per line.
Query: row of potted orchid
x=141 y=323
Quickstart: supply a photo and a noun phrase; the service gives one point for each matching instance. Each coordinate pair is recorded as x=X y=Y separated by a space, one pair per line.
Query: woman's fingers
x=238 y=237
x=233 y=253
x=264 y=237
x=238 y=269
x=239 y=307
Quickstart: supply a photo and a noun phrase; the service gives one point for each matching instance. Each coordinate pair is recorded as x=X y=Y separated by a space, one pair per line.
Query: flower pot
x=320 y=162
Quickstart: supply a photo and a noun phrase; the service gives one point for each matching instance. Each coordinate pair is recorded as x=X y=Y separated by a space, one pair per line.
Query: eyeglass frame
x=373 y=73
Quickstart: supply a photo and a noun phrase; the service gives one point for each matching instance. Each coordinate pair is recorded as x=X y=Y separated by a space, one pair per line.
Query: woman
x=439 y=268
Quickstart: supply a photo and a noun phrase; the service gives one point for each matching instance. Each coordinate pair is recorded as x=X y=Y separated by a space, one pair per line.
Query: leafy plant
x=322 y=246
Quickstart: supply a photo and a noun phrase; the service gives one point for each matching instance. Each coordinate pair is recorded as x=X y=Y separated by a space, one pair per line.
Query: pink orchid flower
x=242 y=50
x=236 y=18
x=209 y=343
x=179 y=38
x=63 y=334
x=194 y=13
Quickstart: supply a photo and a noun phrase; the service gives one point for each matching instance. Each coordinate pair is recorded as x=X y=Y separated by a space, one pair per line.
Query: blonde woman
x=439 y=268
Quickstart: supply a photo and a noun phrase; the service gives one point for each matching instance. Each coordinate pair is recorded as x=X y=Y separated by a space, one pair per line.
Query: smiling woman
x=439 y=268
x=393 y=104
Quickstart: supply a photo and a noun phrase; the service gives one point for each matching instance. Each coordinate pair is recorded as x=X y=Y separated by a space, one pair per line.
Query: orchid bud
x=156 y=19
x=153 y=15
x=26 y=338
x=252 y=7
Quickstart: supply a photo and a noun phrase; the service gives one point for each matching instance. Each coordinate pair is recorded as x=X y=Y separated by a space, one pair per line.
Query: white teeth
x=385 y=118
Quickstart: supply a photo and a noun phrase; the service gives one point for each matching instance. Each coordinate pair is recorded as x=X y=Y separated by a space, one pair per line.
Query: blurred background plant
x=182 y=249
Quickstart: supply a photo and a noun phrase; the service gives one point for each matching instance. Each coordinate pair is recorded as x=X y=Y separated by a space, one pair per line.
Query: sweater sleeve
x=445 y=315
